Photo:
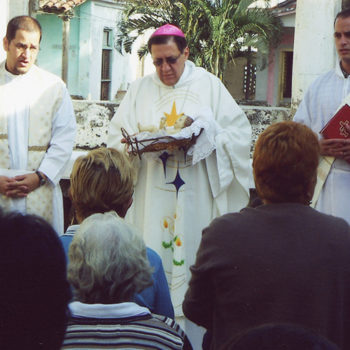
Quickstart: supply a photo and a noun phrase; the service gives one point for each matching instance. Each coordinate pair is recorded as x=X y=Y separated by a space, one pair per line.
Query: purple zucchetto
x=168 y=29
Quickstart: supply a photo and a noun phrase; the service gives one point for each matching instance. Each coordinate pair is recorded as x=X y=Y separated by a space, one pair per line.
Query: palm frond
x=217 y=31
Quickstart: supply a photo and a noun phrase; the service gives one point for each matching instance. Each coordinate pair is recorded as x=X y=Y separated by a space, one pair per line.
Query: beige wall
x=234 y=76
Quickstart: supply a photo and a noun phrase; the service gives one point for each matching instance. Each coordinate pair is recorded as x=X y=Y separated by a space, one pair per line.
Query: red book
x=335 y=128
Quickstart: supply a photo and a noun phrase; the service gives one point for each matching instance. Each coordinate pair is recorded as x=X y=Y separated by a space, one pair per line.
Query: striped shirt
x=134 y=330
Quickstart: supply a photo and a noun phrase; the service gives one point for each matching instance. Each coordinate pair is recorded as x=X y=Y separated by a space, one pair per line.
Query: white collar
x=121 y=310
x=339 y=71
x=13 y=77
x=71 y=229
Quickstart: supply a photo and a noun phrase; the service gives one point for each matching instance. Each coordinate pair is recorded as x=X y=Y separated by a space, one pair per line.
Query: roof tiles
x=284 y=8
x=59 y=6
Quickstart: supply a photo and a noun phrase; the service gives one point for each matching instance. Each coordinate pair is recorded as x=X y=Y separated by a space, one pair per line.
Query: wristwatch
x=42 y=180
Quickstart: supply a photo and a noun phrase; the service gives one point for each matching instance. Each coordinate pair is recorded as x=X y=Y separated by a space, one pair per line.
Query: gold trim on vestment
x=3 y=136
x=37 y=148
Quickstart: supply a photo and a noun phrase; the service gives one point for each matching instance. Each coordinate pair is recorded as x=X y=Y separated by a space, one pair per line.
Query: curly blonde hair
x=101 y=181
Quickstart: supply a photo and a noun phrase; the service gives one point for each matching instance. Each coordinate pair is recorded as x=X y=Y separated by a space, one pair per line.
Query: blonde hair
x=107 y=261
x=101 y=181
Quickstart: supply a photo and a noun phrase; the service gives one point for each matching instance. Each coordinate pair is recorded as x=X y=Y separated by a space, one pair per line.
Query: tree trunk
x=65 y=49
x=216 y=67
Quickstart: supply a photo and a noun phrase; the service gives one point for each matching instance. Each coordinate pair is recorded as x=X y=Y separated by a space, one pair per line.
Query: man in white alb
x=326 y=94
x=37 y=127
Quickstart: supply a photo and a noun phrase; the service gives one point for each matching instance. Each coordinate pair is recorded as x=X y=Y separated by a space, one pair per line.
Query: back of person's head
x=34 y=292
x=107 y=261
x=102 y=181
x=279 y=337
x=26 y=23
x=285 y=161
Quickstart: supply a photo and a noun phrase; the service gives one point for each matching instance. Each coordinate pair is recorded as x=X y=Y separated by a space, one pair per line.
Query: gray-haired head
x=108 y=262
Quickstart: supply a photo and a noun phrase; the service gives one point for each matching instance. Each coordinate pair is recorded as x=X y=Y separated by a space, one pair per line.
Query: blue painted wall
x=50 y=56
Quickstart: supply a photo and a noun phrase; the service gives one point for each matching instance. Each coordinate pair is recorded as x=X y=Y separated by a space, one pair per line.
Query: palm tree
x=217 y=31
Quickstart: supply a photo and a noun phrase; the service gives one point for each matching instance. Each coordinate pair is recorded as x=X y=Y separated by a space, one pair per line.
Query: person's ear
x=70 y=193
x=6 y=44
x=186 y=52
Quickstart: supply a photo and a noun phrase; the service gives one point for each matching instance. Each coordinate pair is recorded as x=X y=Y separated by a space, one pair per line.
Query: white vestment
x=320 y=103
x=36 y=106
x=174 y=200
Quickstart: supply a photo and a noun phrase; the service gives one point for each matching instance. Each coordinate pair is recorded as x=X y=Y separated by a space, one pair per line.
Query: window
x=106 y=64
x=286 y=76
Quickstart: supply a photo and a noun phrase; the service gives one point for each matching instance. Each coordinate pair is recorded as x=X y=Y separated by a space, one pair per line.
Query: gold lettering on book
x=342 y=130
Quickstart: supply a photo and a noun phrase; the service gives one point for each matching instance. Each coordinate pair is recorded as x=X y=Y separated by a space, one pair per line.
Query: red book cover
x=335 y=128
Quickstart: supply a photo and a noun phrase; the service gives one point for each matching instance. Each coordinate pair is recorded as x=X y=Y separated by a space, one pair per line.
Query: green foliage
x=217 y=31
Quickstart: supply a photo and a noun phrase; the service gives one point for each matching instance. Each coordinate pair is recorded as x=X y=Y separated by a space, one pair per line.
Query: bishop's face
x=21 y=51
x=169 y=61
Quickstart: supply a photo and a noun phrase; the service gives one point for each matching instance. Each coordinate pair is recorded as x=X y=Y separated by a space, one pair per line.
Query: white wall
x=288 y=20
x=4 y=17
x=17 y=7
x=9 y=9
x=314 y=51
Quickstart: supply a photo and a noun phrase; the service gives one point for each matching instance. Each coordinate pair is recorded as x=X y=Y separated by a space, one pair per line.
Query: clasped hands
x=338 y=148
x=19 y=186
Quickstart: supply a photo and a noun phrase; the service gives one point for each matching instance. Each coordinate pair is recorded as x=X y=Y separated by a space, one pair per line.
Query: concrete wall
x=314 y=51
x=234 y=77
x=8 y=10
x=4 y=17
x=261 y=117
x=17 y=7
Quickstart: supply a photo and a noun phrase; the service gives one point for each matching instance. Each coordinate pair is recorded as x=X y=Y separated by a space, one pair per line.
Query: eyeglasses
x=169 y=60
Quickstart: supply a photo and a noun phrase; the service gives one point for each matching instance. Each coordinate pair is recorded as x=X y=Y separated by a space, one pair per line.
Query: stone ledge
x=93 y=118
x=261 y=117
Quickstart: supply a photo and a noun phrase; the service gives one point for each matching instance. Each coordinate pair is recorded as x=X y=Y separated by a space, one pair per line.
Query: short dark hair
x=180 y=42
x=34 y=291
x=342 y=14
x=26 y=23
x=280 y=336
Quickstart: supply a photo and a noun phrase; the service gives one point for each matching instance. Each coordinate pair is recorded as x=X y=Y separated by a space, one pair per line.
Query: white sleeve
x=62 y=141
x=303 y=114
x=233 y=142
x=124 y=117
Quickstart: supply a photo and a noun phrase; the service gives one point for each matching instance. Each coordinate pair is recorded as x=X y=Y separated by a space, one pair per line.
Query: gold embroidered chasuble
x=43 y=99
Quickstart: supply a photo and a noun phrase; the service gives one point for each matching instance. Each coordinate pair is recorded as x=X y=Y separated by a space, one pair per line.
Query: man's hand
x=5 y=182
x=338 y=148
x=22 y=185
